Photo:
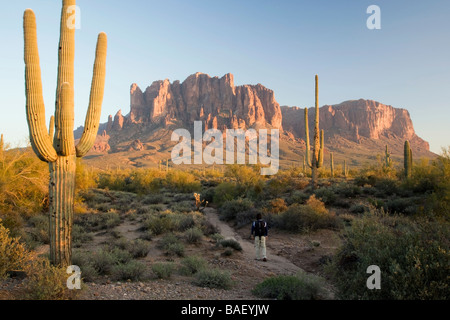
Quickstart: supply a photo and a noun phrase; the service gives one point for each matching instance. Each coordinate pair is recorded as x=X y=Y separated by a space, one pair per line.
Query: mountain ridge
x=219 y=104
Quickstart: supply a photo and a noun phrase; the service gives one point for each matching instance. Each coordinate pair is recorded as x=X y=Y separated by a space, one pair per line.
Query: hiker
x=259 y=233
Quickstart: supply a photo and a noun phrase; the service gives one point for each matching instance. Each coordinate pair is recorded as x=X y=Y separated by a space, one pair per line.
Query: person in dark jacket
x=260 y=233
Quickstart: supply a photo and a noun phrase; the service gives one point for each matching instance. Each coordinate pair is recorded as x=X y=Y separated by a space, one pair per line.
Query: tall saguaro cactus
x=317 y=152
x=387 y=158
x=61 y=153
x=332 y=164
x=407 y=159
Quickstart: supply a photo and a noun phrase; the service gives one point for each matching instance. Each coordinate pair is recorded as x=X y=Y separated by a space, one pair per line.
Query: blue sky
x=280 y=44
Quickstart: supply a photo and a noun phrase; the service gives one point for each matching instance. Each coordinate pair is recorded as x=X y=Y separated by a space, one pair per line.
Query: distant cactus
x=167 y=165
x=2 y=145
x=332 y=164
x=407 y=159
x=60 y=151
x=387 y=158
x=345 y=170
x=318 y=147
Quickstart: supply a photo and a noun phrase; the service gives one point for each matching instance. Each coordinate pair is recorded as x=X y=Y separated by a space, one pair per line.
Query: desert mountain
x=356 y=129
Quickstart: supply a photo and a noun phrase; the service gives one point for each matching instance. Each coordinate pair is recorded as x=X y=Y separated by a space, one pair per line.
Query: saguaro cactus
x=387 y=158
x=407 y=159
x=332 y=164
x=2 y=145
x=345 y=169
x=317 y=154
x=61 y=153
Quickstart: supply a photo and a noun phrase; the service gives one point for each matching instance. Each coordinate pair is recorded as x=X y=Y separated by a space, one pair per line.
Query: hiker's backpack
x=260 y=226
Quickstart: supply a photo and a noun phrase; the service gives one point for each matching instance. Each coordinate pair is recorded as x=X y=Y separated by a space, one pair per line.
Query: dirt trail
x=274 y=263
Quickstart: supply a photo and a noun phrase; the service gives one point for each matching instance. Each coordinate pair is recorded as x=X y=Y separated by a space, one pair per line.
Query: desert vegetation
x=382 y=216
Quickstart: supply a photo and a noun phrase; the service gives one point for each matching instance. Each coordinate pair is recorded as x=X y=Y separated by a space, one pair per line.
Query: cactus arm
x=332 y=164
x=51 y=128
x=64 y=140
x=66 y=52
x=316 y=149
x=307 y=150
x=320 y=162
x=35 y=108
x=96 y=98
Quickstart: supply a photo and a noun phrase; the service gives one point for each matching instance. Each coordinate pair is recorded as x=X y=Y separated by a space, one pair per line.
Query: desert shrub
x=85 y=178
x=225 y=191
x=163 y=270
x=171 y=245
x=412 y=255
x=229 y=210
x=13 y=254
x=182 y=181
x=158 y=224
x=301 y=286
x=213 y=278
x=298 y=197
x=326 y=195
x=387 y=187
x=208 y=194
x=23 y=183
x=192 y=264
x=139 y=248
x=309 y=217
x=183 y=206
x=193 y=235
x=350 y=190
x=208 y=228
x=277 y=205
x=40 y=231
x=230 y=243
x=102 y=261
x=47 y=282
x=402 y=205
x=132 y=270
x=82 y=259
x=217 y=237
x=80 y=236
x=359 y=208
x=153 y=199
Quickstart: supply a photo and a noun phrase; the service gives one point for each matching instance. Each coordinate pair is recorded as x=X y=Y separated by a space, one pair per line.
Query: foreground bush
x=163 y=270
x=213 y=278
x=309 y=217
x=298 y=287
x=413 y=257
x=13 y=254
x=230 y=209
x=47 y=282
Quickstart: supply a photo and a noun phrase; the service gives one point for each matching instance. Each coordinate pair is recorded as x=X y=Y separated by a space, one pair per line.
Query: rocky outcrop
x=101 y=143
x=204 y=98
x=355 y=120
x=136 y=145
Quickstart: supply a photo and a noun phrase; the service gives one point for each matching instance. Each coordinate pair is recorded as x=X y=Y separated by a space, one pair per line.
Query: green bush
x=80 y=236
x=47 y=282
x=413 y=257
x=225 y=191
x=171 y=245
x=309 y=217
x=182 y=181
x=229 y=210
x=163 y=270
x=13 y=254
x=193 y=235
x=40 y=231
x=230 y=243
x=301 y=286
x=213 y=278
x=298 y=197
x=132 y=270
x=192 y=265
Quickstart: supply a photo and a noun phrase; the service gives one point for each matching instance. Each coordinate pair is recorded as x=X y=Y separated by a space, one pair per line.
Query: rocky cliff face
x=218 y=103
x=215 y=101
x=355 y=120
